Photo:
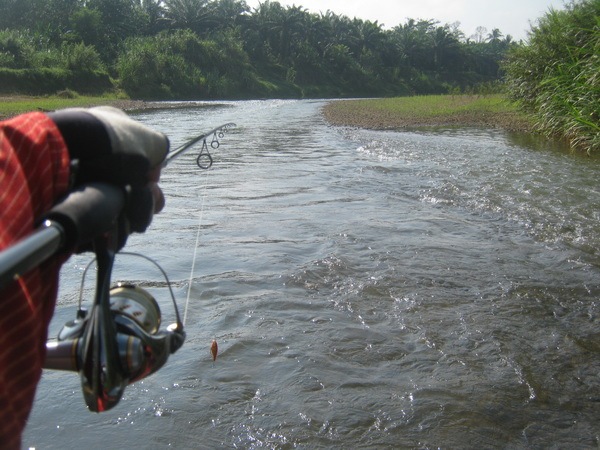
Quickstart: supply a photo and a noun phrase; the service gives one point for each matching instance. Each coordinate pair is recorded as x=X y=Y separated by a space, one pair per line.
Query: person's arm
x=34 y=173
x=41 y=158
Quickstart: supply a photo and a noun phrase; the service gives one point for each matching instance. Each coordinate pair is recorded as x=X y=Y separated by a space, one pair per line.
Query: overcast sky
x=509 y=16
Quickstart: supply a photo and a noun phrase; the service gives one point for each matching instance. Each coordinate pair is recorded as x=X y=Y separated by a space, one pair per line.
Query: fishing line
x=204 y=161
x=214 y=347
x=200 y=217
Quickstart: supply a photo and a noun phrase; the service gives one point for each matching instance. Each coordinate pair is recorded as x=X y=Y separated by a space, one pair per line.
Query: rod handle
x=88 y=212
x=84 y=214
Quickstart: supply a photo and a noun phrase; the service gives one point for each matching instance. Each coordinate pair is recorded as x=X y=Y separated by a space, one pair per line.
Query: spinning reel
x=118 y=341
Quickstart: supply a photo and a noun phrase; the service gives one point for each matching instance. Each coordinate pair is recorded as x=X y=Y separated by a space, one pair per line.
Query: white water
x=367 y=289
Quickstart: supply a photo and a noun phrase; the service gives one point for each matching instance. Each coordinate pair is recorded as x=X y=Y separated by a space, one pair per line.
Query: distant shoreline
x=377 y=114
x=356 y=113
x=11 y=106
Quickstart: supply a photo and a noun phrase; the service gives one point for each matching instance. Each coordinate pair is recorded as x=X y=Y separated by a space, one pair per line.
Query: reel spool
x=137 y=304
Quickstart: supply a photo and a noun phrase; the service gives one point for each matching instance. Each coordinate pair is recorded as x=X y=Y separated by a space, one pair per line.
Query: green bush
x=51 y=80
x=16 y=49
x=81 y=58
x=181 y=65
x=556 y=76
x=20 y=49
x=154 y=68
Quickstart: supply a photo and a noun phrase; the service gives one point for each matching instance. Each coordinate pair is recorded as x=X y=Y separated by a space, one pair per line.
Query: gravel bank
x=347 y=113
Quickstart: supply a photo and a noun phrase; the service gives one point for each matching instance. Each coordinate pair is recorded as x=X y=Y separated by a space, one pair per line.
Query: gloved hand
x=106 y=145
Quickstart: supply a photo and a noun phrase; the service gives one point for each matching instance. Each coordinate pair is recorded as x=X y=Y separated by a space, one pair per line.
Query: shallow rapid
x=424 y=289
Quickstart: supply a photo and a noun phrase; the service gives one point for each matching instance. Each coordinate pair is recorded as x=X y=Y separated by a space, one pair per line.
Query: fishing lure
x=214 y=350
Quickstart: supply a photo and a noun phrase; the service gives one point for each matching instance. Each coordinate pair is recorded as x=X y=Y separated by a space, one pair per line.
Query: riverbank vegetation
x=201 y=49
x=17 y=104
x=556 y=77
x=222 y=49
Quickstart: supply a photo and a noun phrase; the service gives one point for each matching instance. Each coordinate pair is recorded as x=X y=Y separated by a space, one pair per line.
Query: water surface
x=367 y=289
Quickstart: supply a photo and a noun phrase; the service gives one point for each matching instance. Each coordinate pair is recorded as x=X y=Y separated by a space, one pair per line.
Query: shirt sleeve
x=34 y=173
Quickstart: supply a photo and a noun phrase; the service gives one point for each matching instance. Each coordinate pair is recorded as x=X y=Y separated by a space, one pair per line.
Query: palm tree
x=229 y=13
x=369 y=35
x=414 y=40
x=279 y=28
x=446 y=48
x=155 y=14
x=494 y=36
x=192 y=14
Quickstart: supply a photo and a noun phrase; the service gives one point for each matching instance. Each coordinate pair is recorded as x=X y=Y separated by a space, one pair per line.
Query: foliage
x=21 y=49
x=224 y=49
x=180 y=65
x=155 y=67
x=86 y=27
x=81 y=57
x=210 y=48
x=188 y=14
x=43 y=80
x=556 y=76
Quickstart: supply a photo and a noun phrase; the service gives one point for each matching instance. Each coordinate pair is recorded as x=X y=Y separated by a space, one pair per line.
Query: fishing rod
x=118 y=341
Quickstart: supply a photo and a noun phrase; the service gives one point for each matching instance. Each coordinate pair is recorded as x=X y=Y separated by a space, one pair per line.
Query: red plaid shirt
x=34 y=172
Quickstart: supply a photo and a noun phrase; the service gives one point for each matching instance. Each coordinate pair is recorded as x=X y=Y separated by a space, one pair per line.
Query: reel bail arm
x=102 y=378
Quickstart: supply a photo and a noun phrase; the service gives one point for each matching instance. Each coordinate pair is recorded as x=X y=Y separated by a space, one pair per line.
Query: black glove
x=106 y=145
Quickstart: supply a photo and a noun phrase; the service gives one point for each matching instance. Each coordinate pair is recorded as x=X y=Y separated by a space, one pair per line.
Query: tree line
x=193 y=49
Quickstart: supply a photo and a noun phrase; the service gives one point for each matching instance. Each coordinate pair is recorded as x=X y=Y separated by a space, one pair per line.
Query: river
x=417 y=289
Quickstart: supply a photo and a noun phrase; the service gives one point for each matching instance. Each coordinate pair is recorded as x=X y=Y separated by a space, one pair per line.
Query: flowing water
x=416 y=289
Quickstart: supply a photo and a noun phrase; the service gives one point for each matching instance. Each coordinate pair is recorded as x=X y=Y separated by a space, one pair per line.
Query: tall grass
x=557 y=75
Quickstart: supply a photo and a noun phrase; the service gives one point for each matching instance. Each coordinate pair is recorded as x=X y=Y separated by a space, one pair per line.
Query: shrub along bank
x=556 y=77
x=47 y=80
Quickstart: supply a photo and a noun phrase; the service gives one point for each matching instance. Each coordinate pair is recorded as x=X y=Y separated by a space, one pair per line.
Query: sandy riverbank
x=370 y=114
